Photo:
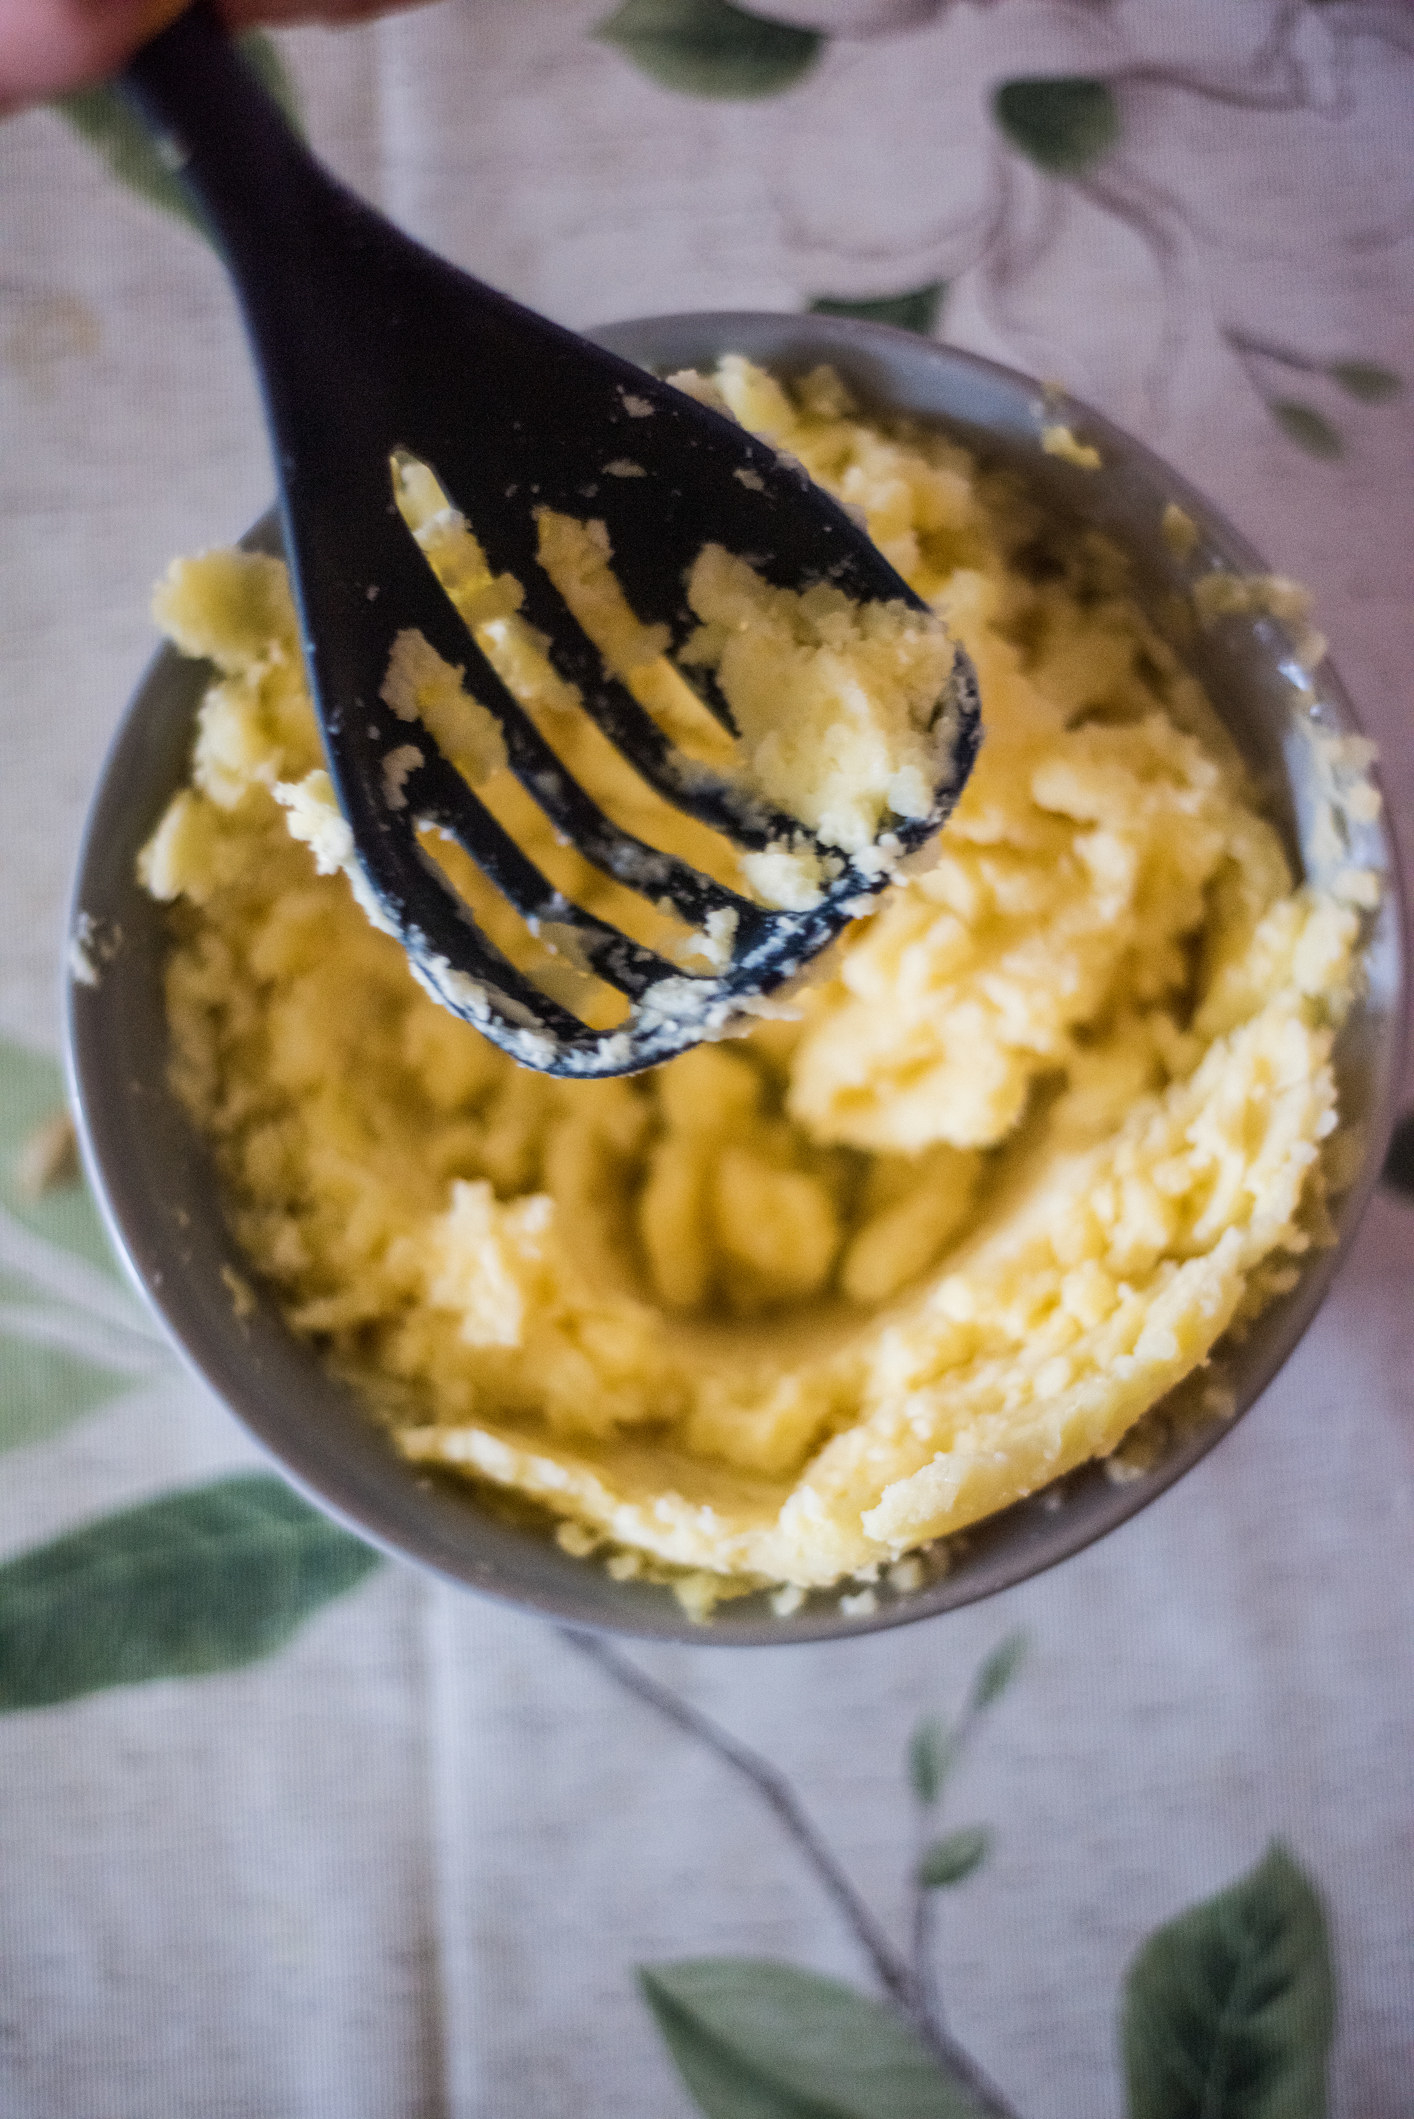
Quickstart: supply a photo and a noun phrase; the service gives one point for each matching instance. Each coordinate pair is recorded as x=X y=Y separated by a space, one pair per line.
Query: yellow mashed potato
x=796 y=1304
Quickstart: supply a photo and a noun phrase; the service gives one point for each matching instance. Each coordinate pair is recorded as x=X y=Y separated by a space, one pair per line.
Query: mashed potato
x=793 y=1305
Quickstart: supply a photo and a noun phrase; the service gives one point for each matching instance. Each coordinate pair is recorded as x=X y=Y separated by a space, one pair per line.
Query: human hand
x=50 y=47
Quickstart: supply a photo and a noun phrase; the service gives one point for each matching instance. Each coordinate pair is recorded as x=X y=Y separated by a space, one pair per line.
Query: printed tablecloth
x=407 y=1864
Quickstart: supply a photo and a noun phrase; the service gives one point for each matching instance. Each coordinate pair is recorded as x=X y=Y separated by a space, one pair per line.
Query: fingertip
x=49 y=48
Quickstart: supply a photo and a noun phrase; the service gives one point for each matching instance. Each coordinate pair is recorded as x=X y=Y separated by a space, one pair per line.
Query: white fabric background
x=406 y=1868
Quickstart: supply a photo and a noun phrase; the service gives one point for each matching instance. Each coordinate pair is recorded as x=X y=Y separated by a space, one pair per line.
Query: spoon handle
x=228 y=142
x=308 y=261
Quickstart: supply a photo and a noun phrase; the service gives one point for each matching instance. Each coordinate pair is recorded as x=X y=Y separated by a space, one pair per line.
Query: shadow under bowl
x=157 y=1185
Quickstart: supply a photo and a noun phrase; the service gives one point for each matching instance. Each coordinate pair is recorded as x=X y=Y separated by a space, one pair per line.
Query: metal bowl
x=155 y=1179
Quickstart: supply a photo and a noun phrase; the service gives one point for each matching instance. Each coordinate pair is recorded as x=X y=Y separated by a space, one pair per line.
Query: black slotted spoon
x=369 y=347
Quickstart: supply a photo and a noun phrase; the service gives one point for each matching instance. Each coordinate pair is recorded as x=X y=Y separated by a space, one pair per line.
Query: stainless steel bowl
x=155 y=1179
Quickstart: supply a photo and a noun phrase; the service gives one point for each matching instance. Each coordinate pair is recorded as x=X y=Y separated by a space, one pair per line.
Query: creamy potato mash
x=798 y=1303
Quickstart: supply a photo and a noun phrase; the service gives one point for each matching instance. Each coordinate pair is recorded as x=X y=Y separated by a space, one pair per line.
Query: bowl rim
x=356 y=1502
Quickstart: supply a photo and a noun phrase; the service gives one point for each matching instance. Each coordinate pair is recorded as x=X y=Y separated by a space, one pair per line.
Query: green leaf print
x=952 y=1859
x=709 y=48
x=932 y=1749
x=193 y=1582
x=1366 y=380
x=1228 y=2011
x=755 y=2039
x=1063 y=125
x=101 y=117
x=998 y=1670
x=43 y=1388
x=1307 y=427
x=918 y=310
x=71 y=1336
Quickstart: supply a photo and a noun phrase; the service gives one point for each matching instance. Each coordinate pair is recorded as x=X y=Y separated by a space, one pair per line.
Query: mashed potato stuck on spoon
x=1048 y=1123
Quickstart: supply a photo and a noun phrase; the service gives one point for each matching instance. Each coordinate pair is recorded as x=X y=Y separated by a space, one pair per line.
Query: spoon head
x=515 y=416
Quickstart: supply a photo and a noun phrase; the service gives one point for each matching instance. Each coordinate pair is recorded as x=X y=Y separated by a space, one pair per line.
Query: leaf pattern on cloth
x=1307 y=427
x=710 y=48
x=919 y=310
x=955 y=1857
x=71 y=1336
x=1001 y=227
x=1002 y=183
x=932 y=1753
x=1262 y=360
x=1229 y=2010
x=1366 y=381
x=755 y=2039
x=101 y=118
x=997 y=1672
x=179 y=1586
x=188 y=1584
x=1064 y=125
